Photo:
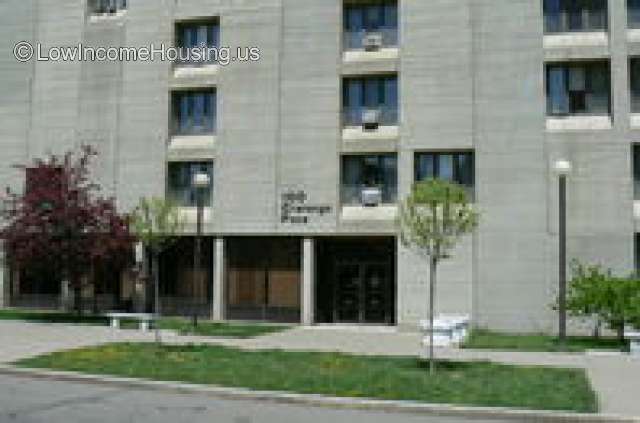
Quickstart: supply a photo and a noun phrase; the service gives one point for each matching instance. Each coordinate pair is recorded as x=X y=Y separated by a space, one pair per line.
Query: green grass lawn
x=391 y=378
x=482 y=339
x=182 y=326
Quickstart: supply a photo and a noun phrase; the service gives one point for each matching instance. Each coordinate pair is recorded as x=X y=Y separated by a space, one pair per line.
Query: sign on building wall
x=296 y=209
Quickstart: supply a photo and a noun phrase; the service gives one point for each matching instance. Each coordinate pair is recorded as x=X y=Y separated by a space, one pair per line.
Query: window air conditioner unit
x=371 y=196
x=372 y=41
x=371 y=119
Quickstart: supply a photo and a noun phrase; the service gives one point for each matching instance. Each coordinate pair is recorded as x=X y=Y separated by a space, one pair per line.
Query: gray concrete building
x=311 y=146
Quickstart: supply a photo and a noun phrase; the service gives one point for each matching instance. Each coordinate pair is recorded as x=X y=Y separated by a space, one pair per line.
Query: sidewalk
x=616 y=378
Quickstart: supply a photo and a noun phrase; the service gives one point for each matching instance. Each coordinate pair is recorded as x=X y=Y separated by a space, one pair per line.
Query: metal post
x=562 y=288
x=197 y=252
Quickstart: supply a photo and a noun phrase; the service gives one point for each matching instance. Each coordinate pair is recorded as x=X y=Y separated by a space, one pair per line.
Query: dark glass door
x=375 y=293
x=362 y=293
x=347 y=307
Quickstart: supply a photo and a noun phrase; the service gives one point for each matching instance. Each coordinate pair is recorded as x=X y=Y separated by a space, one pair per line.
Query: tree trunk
x=156 y=294
x=620 y=329
x=432 y=291
x=94 y=285
x=76 y=283
x=77 y=293
x=596 y=328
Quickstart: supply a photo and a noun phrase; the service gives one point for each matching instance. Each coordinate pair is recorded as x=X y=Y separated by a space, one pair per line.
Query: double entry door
x=363 y=292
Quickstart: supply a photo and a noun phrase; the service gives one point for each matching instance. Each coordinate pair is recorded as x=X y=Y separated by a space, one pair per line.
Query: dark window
x=369 y=171
x=633 y=13
x=360 y=20
x=575 y=15
x=636 y=171
x=634 y=83
x=194 y=112
x=578 y=88
x=377 y=93
x=637 y=253
x=108 y=6
x=180 y=183
x=197 y=35
x=458 y=167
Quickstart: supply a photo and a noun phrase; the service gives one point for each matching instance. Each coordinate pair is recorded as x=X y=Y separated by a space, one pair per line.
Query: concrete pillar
x=67 y=299
x=308 y=282
x=621 y=97
x=219 y=267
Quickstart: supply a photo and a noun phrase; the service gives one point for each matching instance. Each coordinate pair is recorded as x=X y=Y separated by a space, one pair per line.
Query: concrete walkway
x=615 y=377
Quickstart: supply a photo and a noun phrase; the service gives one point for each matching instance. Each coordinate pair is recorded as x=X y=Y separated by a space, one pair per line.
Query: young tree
x=584 y=292
x=432 y=220
x=594 y=291
x=156 y=222
x=60 y=221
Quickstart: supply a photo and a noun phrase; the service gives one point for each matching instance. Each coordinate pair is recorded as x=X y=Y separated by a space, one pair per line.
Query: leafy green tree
x=156 y=223
x=432 y=221
x=596 y=292
x=585 y=292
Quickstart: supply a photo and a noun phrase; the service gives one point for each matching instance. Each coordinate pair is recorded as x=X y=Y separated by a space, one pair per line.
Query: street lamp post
x=562 y=168
x=201 y=182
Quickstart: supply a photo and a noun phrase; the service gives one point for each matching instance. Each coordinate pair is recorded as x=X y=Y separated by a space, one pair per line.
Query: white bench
x=634 y=340
x=144 y=319
x=448 y=330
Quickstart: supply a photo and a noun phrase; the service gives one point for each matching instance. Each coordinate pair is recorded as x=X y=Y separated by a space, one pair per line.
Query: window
x=376 y=93
x=636 y=171
x=194 y=112
x=578 y=88
x=369 y=171
x=633 y=13
x=378 y=17
x=575 y=15
x=108 y=6
x=634 y=83
x=637 y=253
x=193 y=35
x=180 y=184
x=458 y=167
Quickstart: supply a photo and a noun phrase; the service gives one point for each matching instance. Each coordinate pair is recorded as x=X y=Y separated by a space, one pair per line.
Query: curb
x=314 y=400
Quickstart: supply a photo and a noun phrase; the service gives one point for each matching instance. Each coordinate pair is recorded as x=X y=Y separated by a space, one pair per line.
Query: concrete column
x=308 y=282
x=219 y=267
x=67 y=299
x=621 y=95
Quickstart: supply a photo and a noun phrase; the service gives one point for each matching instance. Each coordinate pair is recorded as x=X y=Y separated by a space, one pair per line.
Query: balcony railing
x=581 y=21
x=182 y=129
x=187 y=196
x=107 y=6
x=359 y=116
x=357 y=40
x=353 y=194
x=635 y=102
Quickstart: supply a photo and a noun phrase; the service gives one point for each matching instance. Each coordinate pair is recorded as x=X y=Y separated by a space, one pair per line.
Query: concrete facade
x=471 y=78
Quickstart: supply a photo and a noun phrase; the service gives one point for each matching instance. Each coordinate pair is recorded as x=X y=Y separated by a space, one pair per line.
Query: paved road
x=25 y=400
